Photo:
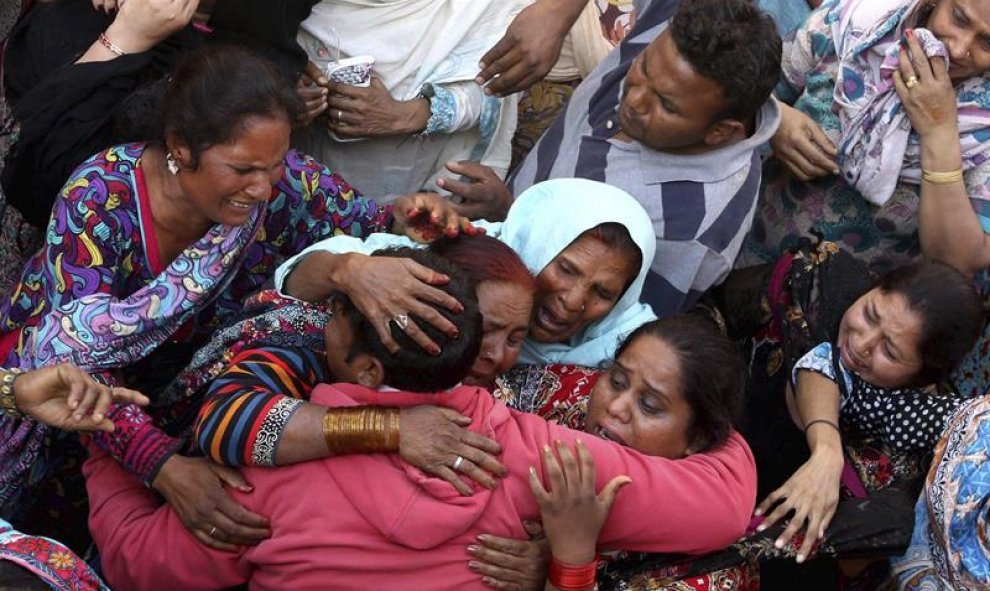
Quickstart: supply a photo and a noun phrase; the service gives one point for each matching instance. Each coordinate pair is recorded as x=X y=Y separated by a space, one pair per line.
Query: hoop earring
x=170 y=163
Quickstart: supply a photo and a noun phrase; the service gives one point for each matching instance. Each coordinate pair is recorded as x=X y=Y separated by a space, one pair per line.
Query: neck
x=175 y=218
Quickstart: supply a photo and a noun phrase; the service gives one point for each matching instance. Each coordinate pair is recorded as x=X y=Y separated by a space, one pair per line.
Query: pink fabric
x=363 y=522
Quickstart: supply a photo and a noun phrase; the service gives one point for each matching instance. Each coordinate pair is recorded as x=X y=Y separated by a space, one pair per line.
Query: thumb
x=533 y=528
x=315 y=73
x=231 y=477
x=455 y=417
x=607 y=496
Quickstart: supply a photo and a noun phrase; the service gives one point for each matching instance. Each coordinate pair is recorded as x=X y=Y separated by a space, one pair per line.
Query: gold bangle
x=8 y=402
x=366 y=429
x=942 y=178
x=111 y=46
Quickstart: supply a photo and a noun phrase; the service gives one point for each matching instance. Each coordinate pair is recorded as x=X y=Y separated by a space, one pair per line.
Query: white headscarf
x=545 y=220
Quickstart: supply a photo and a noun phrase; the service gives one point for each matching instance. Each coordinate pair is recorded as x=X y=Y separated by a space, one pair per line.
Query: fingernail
x=909 y=33
x=97 y=417
x=778 y=543
x=473 y=565
x=761 y=527
x=800 y=558
x=488 y=92
x=758 y=512
x=482 y=537
x=532 y=470
x=440 y=182
x=472 y=549
x=434 y=350
x=247 y=488
x=546 y=449
x=481 y=66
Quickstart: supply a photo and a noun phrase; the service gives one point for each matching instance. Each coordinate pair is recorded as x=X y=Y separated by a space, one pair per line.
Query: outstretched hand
x=571 y=511
x=812 y=493
x=482 y=194
x=425 y=217
x=65 y=397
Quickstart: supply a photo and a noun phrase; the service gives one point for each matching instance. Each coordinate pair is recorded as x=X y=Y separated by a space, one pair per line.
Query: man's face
x=667 y=105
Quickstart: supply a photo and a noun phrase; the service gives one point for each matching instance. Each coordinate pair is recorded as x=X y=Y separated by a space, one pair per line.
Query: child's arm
x=572 y=514
x=812 y=492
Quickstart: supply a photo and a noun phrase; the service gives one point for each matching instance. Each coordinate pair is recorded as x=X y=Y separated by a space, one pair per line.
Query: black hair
x=951 y=311
x=617 y=237
x=215 y=90
x=713 y=375
x=412 y=368
x=733 y=43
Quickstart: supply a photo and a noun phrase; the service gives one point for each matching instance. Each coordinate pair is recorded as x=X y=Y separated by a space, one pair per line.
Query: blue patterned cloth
x=950 y=547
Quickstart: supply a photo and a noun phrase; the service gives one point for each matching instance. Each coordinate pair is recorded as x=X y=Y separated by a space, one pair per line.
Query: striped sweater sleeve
x=249 y=405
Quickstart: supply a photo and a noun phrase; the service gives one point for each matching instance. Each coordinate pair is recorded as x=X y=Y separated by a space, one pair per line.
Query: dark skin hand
x=312 y=90
x=371 y=111
x=194 y=487
x=482 y=194
x=515 y=565
x=529 y=48
x=433 y=446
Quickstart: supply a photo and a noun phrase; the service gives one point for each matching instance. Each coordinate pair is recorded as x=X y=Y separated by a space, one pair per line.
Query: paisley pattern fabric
x=950 y=547
x=97 y=295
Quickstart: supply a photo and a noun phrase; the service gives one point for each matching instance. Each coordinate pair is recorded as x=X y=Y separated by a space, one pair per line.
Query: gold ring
x=911 y=82
x=457 y=463
x=213 y=530
x=340 y=116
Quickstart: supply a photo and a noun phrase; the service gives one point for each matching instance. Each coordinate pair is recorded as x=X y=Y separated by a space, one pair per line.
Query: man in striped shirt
x=674 y=116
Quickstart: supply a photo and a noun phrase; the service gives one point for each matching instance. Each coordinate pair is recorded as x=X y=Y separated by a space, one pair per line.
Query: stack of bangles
x=362 y=429
x=8 y=404
x=571 y=577
x=942 y=178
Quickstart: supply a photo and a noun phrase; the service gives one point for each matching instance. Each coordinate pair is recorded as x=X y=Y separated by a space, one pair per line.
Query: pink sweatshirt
x=367 y=521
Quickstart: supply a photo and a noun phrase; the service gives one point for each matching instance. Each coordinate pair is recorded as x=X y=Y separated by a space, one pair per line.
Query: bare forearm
x=948 y=227
x=303 y=439
x=816 y=398
x=312 y=280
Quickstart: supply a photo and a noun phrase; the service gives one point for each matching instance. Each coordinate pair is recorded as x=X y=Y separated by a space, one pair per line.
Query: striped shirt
x=701 y=205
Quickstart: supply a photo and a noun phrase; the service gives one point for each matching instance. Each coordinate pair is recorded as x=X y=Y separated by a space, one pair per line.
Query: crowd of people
x=517 y=294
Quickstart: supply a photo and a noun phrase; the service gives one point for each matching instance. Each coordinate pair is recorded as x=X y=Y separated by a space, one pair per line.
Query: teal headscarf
x=544 y=220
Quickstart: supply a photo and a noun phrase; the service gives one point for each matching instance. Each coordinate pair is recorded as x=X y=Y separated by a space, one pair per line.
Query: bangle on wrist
x=111 y=46
x=824 y=422
x=942 y=178
x=8 y=402
x=572 y=577
x=362 y=429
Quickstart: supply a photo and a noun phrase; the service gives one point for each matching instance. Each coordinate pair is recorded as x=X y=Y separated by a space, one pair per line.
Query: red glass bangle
x=570 y=577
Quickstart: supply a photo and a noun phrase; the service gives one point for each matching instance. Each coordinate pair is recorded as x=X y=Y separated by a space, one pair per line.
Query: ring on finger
x=401 y=320
x=213 y=530
x=457 y=463
x=911 y=82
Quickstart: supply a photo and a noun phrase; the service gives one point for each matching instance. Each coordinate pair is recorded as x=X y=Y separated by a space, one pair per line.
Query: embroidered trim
x=266 y=442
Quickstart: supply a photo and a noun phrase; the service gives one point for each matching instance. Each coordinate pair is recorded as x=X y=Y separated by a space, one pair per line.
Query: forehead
x=656 y=363
x=598 y=258
x=504 y=303
x=671 y=74
x=978 y=11
x=898 y=320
